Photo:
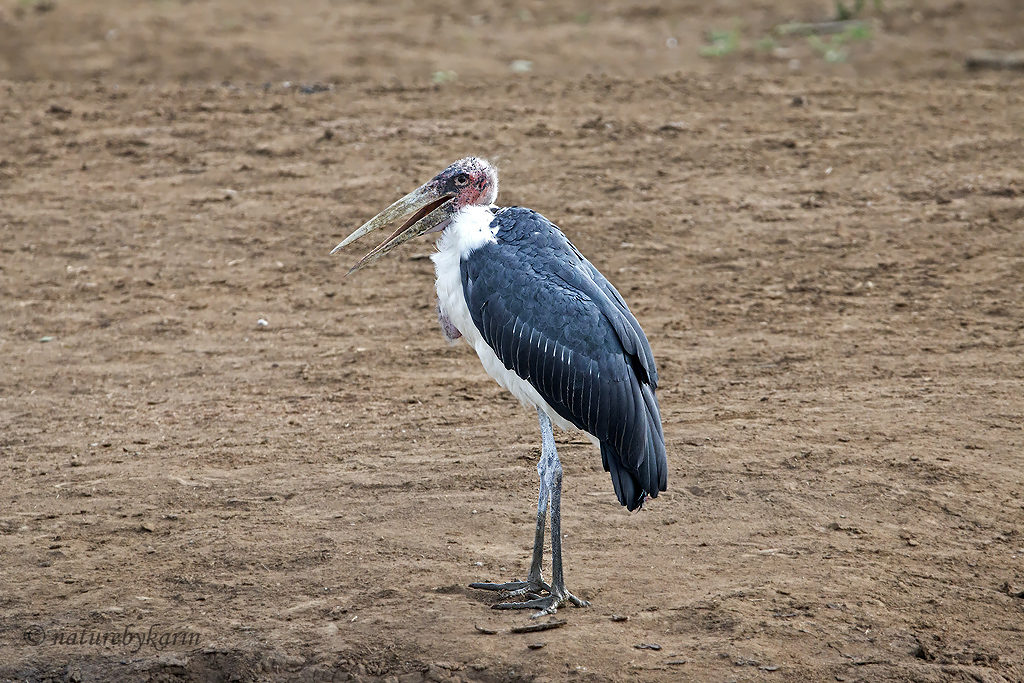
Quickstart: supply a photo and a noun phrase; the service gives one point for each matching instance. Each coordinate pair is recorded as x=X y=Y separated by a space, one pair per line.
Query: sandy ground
x=827 y=258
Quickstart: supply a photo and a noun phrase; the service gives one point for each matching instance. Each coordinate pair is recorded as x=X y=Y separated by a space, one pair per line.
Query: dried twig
x=533 y=628
x=995 y=59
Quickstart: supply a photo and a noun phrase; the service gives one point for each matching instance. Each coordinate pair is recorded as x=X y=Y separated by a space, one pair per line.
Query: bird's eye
x=461 y=180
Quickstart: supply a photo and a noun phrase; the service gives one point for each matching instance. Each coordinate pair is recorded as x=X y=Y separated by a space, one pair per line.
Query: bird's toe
x=530 y=588
x=534 y=603
x=548 y=604
x=576 y=602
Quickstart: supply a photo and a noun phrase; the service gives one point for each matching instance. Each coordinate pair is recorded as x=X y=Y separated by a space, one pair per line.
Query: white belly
x=470 y=230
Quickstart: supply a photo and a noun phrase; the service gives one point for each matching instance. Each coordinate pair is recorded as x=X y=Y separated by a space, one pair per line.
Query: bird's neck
x=470 y=229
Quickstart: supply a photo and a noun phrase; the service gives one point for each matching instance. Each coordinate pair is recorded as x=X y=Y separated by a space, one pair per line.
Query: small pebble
x=261 y=323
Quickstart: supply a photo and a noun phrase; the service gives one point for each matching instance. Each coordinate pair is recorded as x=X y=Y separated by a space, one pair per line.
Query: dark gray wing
x=554 y=320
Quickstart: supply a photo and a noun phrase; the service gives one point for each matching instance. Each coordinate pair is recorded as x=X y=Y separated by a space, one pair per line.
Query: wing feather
x=554 y=320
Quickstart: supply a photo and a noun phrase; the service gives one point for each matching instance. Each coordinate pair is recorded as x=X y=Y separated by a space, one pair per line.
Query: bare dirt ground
x=827 y=258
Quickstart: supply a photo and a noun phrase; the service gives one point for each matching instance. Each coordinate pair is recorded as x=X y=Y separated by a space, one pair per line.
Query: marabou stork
x=549 y=328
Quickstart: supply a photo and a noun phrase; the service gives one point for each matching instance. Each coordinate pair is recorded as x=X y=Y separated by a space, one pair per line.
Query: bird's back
x=554 y=320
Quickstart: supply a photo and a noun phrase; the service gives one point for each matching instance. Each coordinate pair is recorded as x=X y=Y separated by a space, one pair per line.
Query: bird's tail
x=632 y=486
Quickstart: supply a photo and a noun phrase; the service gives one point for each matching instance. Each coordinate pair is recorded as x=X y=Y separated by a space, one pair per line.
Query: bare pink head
x=471 y=181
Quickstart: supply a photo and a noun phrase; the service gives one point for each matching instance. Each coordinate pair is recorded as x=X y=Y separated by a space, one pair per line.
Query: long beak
x=430 y=212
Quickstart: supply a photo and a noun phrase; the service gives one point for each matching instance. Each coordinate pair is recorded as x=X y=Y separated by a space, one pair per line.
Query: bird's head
x=467 y=182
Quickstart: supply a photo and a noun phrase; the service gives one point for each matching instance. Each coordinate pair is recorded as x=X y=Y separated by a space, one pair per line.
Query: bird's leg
x=538 y=537
x=558 y=590
x=534 y=583
x=550 y=469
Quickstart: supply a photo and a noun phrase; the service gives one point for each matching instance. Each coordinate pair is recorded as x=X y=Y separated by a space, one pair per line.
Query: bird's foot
x=531 y=588
x=546 y=605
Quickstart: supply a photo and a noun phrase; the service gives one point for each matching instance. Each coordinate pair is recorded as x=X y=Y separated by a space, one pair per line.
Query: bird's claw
x=511 y=589
x=532 y=591
x=545 y=605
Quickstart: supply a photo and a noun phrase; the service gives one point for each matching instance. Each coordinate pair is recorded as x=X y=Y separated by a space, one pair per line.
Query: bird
x=548 y=327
